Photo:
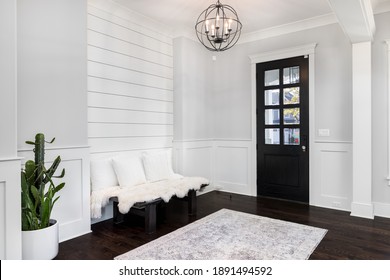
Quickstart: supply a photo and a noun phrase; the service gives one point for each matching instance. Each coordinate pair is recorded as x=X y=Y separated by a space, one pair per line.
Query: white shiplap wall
x=130 y=83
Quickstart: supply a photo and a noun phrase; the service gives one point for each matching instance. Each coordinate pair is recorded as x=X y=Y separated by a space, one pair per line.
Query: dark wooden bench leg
x=192 y=205
x=118 y=216
x=150 y=218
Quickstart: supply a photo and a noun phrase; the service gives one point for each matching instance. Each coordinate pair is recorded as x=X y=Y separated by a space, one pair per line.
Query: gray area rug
x=232 y=235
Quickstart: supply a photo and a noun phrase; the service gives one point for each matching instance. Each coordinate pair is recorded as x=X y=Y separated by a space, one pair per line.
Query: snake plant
x=38 y=188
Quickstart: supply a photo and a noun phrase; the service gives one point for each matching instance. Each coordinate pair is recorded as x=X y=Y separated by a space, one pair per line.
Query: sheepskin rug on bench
x=177 y=185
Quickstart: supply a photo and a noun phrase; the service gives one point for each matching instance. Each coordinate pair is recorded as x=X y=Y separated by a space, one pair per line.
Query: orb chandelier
x=218 y=27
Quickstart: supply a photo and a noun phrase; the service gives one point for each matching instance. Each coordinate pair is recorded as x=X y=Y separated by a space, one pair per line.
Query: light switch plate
x=324 y=132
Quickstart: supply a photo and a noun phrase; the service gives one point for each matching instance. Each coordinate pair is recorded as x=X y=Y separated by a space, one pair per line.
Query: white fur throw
x=127 y=197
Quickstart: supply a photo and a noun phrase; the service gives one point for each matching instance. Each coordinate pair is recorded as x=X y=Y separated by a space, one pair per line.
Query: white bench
x=136 y=184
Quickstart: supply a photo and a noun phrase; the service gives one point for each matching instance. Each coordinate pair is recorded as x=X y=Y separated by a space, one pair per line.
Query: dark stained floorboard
x=347 y=238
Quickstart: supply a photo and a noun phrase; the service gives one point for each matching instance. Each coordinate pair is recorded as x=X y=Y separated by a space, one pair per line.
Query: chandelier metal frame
x=218 y=27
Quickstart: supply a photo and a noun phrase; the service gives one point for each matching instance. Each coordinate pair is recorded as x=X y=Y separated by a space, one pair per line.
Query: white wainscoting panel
x=331 y=185
x=225 y=162
x=10 y=223
x=233 y=166
x=72 y=210
x=194 y=158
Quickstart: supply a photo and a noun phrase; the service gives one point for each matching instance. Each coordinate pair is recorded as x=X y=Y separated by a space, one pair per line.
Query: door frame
x=303 y=50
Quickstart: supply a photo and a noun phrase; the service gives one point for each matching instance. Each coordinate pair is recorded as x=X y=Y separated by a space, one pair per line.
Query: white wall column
x=10 y=224
x=388 y=110
x=362 y=159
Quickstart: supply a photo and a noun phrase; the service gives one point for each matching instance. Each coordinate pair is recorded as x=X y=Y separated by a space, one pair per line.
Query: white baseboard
x=382 y=209
x=233 y=188
x=362 y=210
x=207 y=189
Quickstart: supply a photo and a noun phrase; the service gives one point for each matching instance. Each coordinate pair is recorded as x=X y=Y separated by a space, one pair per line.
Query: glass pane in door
x=291 y=136
x=271 y=77
x=272 y=116
x=291 y=116
x=272 y=136
x=271 y=97
x=291 y=95
x=291 y=75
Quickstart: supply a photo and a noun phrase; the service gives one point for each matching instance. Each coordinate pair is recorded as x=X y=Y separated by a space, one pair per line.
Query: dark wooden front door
x=283 y=129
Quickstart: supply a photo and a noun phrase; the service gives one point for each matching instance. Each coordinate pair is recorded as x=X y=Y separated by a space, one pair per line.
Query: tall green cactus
x=38 y=188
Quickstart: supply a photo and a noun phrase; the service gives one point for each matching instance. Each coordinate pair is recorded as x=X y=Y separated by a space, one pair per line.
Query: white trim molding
x=308 y=50
x=388 y=110
x=382 y=209
x=362 y=210
x=283 y=53
x=360 y=27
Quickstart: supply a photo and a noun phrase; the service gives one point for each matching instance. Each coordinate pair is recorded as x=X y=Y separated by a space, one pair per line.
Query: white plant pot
x=41 y=244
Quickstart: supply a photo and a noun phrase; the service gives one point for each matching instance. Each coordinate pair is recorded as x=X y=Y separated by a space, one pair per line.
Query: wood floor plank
x=347 y=238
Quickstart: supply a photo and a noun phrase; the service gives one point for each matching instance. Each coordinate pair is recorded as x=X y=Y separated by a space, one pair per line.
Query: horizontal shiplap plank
x=116 y=73
x=105 y=41
x=105 y=145
x=131 y=153
x=111 y=130
x=121 y=21
x=128 y=62
x=123 y=88
x=128 y=103
x=124 y=116
x=128 y=35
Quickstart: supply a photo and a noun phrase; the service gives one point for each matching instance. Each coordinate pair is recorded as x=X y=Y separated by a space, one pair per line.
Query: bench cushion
x=102 y=174
x=157 y=166
x=129 y=171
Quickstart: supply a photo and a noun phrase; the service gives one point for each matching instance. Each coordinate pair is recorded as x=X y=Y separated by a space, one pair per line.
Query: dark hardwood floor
x=347 y=238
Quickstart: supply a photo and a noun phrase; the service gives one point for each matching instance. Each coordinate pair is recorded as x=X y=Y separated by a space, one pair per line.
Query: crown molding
x=382 y=8
x=134 y=17
x=356 y=19
x=288 y=28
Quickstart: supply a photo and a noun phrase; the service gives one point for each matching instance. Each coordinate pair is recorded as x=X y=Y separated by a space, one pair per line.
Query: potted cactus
x=39 y=231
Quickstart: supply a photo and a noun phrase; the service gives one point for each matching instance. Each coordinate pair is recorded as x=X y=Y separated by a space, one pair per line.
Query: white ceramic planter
x=40 y=244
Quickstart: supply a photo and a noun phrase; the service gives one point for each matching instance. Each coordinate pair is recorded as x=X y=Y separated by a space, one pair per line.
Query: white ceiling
x=180 y=15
